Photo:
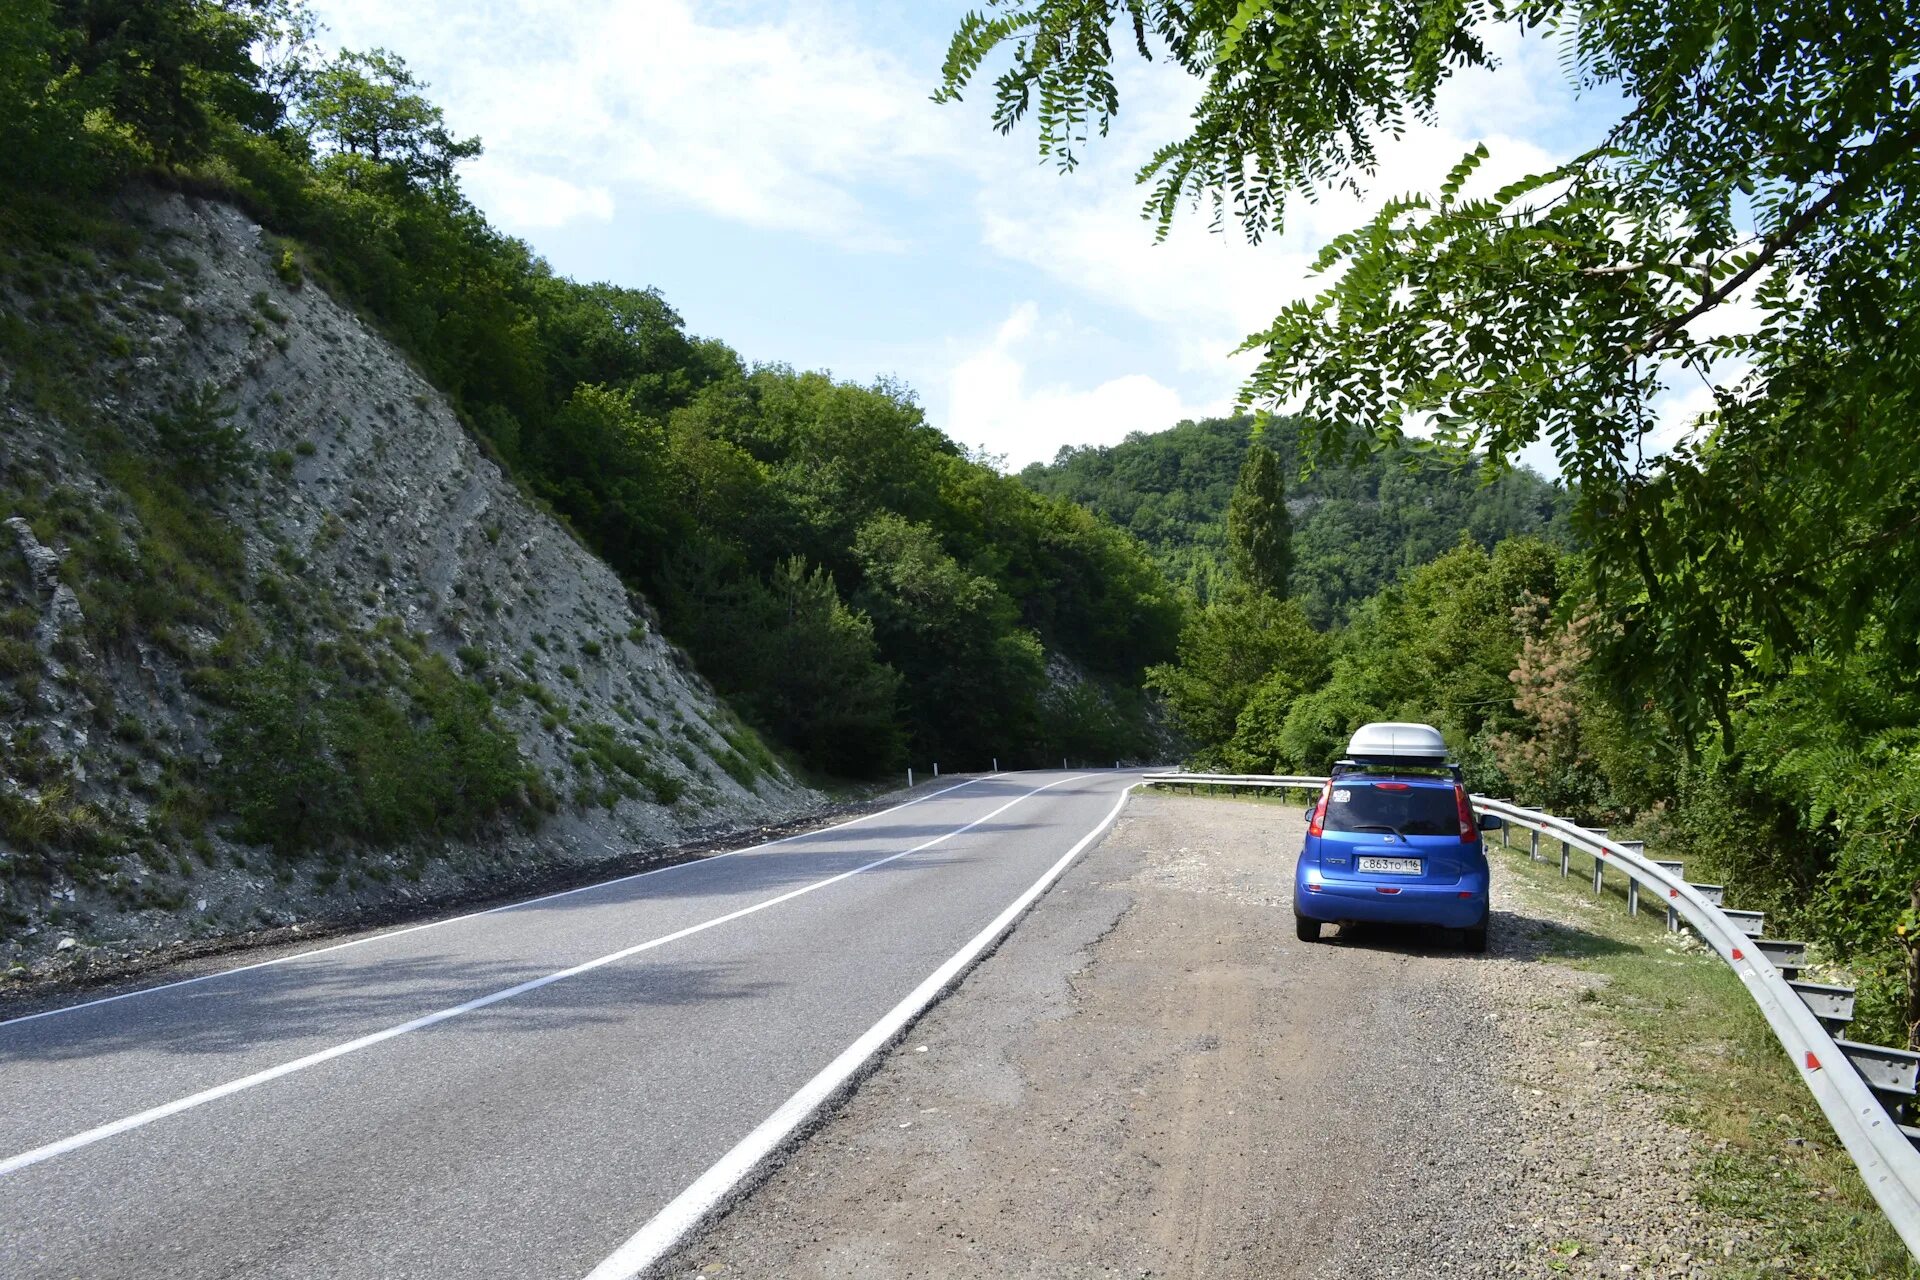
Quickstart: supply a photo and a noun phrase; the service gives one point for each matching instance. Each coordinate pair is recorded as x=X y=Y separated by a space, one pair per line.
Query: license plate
x=1391 y=866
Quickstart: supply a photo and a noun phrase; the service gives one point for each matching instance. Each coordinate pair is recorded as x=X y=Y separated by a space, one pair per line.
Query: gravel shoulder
x=1153 y=1077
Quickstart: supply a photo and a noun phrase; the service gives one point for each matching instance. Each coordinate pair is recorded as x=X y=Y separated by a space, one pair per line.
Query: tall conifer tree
x=1259 y=531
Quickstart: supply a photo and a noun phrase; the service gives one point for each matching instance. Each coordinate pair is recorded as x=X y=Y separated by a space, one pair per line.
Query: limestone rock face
x=369 y=502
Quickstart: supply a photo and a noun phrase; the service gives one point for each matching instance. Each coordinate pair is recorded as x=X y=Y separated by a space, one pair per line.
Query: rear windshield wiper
x=1377 y=826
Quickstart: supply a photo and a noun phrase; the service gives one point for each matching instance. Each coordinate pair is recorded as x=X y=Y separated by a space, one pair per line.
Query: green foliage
x=1229 y=650
x=954 y=635
x=1259 y=531
x=198 y=435
x=90 y=89
x=662 y=450
x=1736 y=667
x=310 y=757
x=1356 y=527
x=372 y=125
x=625 y=766
x=821 y=682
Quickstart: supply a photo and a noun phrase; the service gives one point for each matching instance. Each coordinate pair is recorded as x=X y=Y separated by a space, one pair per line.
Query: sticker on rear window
x=1342 y=796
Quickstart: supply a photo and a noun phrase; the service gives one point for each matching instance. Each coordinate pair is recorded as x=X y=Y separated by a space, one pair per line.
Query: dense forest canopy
x=858 y=586
x=1357 y=526
x=1731 y=663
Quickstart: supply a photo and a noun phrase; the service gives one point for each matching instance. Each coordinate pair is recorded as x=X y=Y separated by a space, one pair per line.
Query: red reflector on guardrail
x=1737 y=955
x=1813 y=1063
x=1673 y=893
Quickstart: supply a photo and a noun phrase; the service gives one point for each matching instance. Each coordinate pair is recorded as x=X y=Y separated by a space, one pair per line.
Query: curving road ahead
x=514 y=1093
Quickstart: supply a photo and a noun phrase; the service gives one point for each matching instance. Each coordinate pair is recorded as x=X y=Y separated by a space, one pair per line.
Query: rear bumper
x=1316 y=897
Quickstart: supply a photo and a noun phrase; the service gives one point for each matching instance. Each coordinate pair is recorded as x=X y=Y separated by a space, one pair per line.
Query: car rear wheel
x=1306 y=930
x=1475 y=939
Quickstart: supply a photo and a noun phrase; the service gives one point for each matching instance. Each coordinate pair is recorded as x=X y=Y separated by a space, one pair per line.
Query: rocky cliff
x=277 y=638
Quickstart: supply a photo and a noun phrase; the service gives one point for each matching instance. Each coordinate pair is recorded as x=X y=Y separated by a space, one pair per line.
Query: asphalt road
x=513 y=1093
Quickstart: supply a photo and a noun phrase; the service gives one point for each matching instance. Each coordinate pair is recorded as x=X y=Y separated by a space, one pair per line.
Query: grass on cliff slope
x=1770 y=1158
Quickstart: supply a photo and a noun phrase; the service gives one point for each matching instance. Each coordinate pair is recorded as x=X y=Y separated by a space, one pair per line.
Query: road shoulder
x=1152 y=1076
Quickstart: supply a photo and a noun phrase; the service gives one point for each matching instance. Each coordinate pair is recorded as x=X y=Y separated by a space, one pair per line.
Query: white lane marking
x=474 y=915
x=649 y=1244
x=15 y=1163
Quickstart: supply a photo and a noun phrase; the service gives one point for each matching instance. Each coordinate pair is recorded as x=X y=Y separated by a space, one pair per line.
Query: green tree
x=973 y=674
x=371 y=117
x=823 y=687
x=41 y=128
x=1259 y=531
x=1227 y=652
x=198 y=435
x=162 y=75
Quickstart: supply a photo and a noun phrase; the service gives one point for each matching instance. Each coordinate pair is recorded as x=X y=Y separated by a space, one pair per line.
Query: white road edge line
x=686 y=1210
x=13 y=1164
x=474 y=915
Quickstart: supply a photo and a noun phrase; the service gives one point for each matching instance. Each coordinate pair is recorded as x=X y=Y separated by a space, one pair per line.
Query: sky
x=779 y=173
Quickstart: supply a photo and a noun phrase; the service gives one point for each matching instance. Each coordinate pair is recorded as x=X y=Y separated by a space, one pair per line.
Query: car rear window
x=1401 y=808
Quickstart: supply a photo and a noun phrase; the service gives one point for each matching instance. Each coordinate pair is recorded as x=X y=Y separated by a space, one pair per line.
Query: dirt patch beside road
x=1153 y=1077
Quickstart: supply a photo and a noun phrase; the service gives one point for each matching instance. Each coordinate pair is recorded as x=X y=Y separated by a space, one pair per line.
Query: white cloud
x=776 y=123
x=523 y=199
x=991 y=403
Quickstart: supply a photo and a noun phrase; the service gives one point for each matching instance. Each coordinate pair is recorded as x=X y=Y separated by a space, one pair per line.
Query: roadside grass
x=1769 y=1157
x=1289 y=798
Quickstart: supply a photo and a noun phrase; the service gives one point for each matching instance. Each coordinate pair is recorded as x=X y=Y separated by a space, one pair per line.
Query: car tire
x=1474 y=940
x=1306 y=930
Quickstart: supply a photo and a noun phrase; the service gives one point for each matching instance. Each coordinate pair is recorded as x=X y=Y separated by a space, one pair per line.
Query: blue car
x=1396 y=845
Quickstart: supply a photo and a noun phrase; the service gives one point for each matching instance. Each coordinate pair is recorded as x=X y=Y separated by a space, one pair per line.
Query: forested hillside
x=1358 y=525
x=835 y=565
x=350 y=554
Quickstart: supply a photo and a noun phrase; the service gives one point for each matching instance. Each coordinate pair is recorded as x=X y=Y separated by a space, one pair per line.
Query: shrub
x=198 y=435
x=309 y=760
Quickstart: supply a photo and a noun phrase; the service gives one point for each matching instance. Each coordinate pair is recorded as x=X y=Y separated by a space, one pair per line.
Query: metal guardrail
x=1861 y=1088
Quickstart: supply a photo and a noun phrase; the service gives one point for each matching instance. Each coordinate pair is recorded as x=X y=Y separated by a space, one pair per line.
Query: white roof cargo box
x=1398 y=744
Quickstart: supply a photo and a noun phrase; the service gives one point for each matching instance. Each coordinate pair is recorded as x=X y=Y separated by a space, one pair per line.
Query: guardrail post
x=1633 y=885
x=1566 y=859
x=1598 y=866
x=1533 y=850
x=909 y=777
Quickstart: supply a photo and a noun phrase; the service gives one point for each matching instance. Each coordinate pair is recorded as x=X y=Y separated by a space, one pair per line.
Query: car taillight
x=1319 y=824
x=1469 y=829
